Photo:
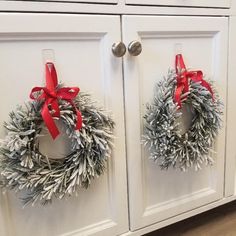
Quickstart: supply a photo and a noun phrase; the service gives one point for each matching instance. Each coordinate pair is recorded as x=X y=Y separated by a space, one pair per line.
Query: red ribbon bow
x=183 y=77
x=50 y=94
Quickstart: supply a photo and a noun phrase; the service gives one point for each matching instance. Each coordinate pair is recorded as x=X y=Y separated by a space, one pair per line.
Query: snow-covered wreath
x=24 y=168
x=162 y=133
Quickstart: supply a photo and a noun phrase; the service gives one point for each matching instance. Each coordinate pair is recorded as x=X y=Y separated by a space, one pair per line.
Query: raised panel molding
x=177 y=202
x=171 y=207
x=100 y=228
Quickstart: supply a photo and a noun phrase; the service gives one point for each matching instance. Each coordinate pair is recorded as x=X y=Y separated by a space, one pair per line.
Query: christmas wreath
x=162 y=134
x=24 y=168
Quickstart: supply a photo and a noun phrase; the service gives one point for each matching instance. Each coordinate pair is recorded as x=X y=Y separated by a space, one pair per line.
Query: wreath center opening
x=186 y=119
x=57 y=148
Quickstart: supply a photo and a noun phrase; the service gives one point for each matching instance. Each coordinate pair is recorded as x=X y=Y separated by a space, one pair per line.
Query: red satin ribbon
x=183 y=77
x=51 y=94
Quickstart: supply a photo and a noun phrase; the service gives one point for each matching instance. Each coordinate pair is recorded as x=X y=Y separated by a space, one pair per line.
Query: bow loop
x=68 y=93
x=50 y=96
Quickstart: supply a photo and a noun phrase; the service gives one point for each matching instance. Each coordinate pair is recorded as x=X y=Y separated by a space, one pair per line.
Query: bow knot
x=50 y=95
x=183 y=77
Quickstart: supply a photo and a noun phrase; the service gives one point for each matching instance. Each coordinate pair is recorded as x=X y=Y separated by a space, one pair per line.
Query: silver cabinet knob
x=118 y=49
x=135 y=48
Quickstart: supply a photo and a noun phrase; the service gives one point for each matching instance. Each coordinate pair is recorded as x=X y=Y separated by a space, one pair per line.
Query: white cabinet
x=187 y=3
x=81 y=45
x=154 y=194
x=82 y=52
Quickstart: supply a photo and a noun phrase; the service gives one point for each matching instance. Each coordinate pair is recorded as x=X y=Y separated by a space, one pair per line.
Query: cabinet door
x=230 y=175
x=155 y=194
x=82 y=52
x=189 y=3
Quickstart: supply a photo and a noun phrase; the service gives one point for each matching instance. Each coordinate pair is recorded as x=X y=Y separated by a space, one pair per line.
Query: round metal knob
x=135 y=48
x=118 y=49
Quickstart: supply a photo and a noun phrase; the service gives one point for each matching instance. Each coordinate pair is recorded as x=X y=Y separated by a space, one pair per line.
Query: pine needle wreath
x=162 y=134
x=24 y=168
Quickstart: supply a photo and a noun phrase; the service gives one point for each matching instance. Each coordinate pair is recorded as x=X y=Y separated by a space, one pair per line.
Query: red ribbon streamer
x=183 y=77
x=51 y=94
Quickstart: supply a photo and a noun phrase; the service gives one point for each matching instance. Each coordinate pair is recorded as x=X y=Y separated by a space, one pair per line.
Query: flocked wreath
x=24 y=168
x=168 y=146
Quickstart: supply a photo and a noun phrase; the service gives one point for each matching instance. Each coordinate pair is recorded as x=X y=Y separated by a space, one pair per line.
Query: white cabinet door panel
x=154 y=194
x=82 y=54
x=187 y=3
